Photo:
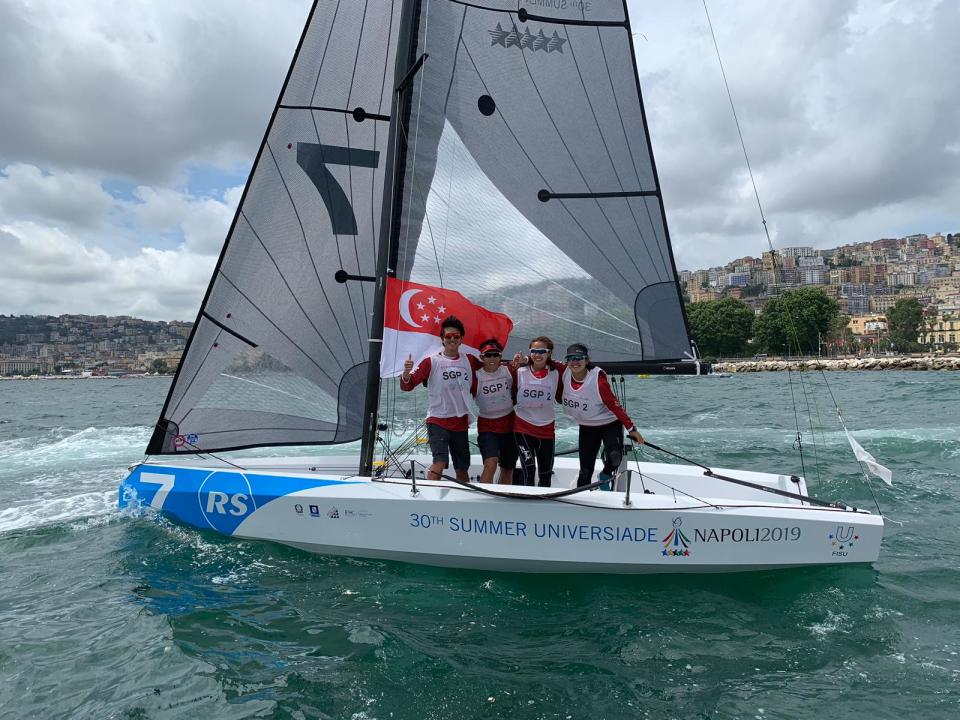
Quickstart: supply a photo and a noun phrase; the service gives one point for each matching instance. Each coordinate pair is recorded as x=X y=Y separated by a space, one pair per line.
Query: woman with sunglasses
x=493 y=390
x=589 y=400
x=537 y=390
x=449 y=376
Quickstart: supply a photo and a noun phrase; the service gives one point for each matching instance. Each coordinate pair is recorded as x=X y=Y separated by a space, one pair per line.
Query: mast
x=405 y=68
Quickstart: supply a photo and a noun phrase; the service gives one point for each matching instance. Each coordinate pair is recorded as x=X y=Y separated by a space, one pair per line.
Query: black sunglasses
x=576 y=358
x=491 y=354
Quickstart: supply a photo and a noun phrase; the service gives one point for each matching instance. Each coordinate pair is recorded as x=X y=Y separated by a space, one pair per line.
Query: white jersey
x=448 y=386
x=494 y=392
x=536 y=396
x=584 y=404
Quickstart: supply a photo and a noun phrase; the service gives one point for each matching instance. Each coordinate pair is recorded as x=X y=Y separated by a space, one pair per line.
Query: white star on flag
x=419 y=306
x=441 y=309
x=431 y=300
x=424 y=318
x=436 y=320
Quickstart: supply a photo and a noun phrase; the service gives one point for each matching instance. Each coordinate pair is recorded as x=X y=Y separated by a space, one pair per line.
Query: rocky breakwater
x=939 y=362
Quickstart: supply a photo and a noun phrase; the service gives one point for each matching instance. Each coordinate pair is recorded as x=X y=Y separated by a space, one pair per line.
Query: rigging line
x=566 y=147
x=416 y=129
x=311 y=431
x=823 y=437
x=264 y=385
x=805 y=393
x=796 y=418
x=675 y=490
x=374 y=223
x=533 y=165
x=736 y=120
x=572 y=322
x=313 y=262
x=606 y=147
x=323 y=55
x=626 y=137
x=278 y=329
x=292 y=293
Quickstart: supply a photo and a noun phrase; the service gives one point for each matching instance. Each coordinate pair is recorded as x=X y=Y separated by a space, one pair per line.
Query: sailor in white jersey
x=449 y=377
x=537 y=390
x=493 y=390
x=589 y=400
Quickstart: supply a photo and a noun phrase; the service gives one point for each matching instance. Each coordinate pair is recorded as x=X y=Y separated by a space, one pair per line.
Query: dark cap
x=578 y=349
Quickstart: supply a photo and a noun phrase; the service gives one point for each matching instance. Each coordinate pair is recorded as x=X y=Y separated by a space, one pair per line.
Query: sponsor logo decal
x=315 y=510
x=526 y=39
x=333 y=513
x=298 y=508
x=676 y=544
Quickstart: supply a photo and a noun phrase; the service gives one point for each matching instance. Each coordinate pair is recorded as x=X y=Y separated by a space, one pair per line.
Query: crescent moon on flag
x=405 y=306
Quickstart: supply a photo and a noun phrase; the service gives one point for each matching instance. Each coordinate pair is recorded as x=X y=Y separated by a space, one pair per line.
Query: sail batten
x=514 y=167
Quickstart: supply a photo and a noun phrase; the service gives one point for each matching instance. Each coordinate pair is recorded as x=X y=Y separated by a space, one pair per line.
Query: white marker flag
x=867 y=459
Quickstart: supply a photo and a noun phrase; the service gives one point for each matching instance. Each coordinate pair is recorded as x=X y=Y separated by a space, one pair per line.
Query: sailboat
x=500 y=148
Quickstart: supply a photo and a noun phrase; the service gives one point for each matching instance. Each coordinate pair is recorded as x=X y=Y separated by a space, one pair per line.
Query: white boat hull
x=690 y=523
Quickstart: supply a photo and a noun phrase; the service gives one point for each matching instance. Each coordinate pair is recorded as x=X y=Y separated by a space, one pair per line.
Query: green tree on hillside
x=159 y=366
x=720 y=327
x=903 y=324
x=796 y=321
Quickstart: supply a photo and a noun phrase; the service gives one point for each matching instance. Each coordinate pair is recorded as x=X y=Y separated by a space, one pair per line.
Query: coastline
x=83 y=377
x=901 y=362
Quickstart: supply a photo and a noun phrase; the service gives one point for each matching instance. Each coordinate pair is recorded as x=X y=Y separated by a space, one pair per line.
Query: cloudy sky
x=127 y=130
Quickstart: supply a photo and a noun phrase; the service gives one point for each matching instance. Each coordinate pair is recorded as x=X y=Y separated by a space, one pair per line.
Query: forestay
x=278 y=354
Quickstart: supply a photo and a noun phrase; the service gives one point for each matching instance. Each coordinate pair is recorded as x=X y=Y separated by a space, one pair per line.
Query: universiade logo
x=526 y=39
x=843 y=539
x=679 y=542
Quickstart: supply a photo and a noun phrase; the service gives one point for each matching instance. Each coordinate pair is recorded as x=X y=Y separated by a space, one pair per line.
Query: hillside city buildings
x=78 y=344
x=865 y=278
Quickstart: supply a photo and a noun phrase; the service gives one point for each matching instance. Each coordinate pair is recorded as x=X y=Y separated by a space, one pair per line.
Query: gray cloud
x=138 y=89
x=848 y=109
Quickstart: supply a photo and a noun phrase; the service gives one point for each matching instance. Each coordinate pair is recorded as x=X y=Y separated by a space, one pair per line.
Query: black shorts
x=498 y=445
x=444 y=443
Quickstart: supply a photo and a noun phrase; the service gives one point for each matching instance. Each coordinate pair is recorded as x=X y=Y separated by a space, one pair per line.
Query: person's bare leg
x=506 y=476
x=489 y=468
x=436 y=469
x=463 y=475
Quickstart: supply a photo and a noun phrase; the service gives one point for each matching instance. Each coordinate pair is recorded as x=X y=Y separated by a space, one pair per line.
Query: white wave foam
x=38 y=513
x=60 y=450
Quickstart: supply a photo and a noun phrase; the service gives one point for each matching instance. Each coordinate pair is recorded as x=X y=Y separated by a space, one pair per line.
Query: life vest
x=536 y=396
x=494 y=392
x=448 y=386
x=584 y=405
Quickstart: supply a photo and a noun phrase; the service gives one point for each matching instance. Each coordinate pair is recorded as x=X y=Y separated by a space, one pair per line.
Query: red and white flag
x=411 y=323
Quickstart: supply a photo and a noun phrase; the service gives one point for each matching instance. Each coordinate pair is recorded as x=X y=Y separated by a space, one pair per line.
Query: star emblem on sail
x=406 y=333
x=526 y=39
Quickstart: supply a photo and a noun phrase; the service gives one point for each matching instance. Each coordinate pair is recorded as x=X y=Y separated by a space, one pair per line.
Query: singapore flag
x=412 y=317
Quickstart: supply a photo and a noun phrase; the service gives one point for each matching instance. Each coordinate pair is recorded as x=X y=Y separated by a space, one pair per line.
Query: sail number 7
x=166 y=485
x=314 y=159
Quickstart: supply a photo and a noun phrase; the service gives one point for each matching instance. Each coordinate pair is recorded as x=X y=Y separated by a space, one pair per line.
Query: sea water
x=105 y=615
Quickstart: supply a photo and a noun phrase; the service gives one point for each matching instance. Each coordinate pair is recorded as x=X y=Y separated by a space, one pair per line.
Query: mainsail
x=524 y=180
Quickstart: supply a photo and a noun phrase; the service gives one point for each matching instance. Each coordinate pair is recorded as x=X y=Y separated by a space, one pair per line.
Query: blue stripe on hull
x=206 y=498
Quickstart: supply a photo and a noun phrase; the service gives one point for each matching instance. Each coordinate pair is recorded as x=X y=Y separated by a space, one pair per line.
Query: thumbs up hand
x=407 y=367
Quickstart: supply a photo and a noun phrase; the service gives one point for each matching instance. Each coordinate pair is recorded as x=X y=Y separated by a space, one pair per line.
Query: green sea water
x=104 y=615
